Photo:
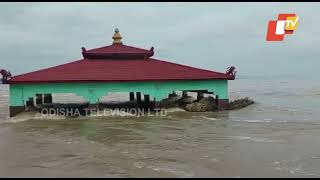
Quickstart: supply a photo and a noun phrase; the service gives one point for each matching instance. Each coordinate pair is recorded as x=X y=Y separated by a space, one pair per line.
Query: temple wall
x=92 y=92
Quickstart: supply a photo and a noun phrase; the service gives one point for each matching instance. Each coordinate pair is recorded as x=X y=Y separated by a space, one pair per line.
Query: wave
x=25 y=116
x=173 y=170
x=255 y=139
x=205 y=117
x=261 y=121
x=175 y=110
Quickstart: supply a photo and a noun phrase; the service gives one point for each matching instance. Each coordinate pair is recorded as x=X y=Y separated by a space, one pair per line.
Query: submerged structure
x=116 y=68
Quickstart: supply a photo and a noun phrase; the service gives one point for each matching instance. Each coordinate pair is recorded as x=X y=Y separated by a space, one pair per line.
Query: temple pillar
x=173 y=94
x=39 y=99
x=184 y=93
x=146 y=99
x=200 y=96
x=29 y=104
x=138 y=97
x=47 y=98
x=131 y=96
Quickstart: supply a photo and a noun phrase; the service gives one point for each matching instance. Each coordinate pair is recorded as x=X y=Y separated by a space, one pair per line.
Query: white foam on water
x=255 y=139
x=205 y=117
x=215 y=160
x=39 y=116
x=261 y=121
x=25 y=116
x=179 y=173
x=139 y=165
x=175 y=110
x=16 y=120
x=19 y=118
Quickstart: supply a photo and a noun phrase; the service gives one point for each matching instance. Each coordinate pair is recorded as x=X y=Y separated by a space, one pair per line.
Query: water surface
x=276 y=137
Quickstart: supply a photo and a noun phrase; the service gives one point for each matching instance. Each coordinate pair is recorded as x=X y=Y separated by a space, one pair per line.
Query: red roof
x=117 y=51
x=117 y=62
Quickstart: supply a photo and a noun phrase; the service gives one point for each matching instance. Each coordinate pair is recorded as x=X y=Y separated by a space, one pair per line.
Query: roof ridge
x=135 y=47
x=117 y=45
x=98 y=48
x=190 y=67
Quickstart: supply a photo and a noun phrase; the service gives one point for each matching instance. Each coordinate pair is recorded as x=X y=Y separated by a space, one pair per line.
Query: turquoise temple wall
x=92 y=92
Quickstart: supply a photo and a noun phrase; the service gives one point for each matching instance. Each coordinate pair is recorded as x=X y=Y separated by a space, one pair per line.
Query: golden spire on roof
x=117 y=37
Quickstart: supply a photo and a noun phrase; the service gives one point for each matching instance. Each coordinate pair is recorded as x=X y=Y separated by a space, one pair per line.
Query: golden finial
x=117 y=37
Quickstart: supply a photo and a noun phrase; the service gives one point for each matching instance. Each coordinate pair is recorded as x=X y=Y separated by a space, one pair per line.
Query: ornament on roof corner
x=117 y=37
x=6 y=75
x=231 y=71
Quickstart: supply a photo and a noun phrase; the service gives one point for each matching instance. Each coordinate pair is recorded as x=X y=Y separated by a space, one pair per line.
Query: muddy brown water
x=276 y=137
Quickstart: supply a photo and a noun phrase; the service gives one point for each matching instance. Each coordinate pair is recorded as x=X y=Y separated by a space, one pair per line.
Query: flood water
x=276 y=137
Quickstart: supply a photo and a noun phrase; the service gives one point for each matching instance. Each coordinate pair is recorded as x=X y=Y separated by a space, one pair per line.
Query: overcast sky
x=205 y=35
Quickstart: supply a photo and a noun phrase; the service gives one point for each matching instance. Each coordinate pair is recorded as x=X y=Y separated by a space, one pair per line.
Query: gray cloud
x=205 y=35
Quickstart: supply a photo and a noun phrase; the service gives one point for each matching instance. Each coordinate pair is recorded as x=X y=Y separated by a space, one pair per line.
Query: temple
x=116 y=68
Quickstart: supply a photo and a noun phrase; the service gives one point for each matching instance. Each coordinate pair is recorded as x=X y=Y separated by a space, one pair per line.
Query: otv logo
x=285 y=24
